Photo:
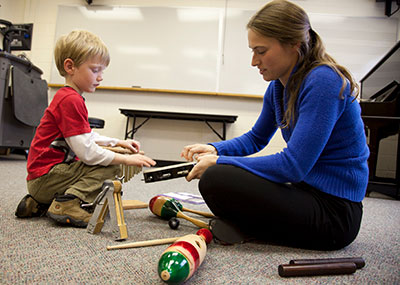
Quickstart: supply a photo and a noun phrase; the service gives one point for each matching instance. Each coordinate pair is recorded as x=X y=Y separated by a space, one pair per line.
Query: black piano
x=380 y=111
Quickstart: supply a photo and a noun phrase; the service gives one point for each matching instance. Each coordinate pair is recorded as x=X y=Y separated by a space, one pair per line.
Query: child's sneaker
x=66 y=209
x=29 y=207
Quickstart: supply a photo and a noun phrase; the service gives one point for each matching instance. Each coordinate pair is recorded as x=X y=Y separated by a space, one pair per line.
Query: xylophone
x=155 y=173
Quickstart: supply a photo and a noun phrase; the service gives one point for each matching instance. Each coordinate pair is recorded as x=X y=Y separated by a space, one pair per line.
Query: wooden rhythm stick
x=164 y=208
x=182 y=208
x=359 y=261
x=143 y=243
x=324 y=266
x=294 y=270
x=133 y=204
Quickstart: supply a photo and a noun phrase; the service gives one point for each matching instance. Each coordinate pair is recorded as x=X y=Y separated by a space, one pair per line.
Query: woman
x=308 y=195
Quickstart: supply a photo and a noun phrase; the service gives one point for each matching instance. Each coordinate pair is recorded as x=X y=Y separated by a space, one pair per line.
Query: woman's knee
x=212 y=178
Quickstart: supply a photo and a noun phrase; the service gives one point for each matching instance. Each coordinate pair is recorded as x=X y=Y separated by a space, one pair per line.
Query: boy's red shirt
x=66 y=116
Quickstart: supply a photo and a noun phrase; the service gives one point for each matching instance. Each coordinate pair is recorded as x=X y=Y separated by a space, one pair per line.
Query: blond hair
x=79 y=46
x=289 y=24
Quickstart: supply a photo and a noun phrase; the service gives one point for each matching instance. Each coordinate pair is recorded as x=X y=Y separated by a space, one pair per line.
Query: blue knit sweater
x=326 y=148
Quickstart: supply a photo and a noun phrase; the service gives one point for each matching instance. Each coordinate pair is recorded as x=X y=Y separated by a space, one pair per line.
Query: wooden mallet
x=166 y=208
x=145 y=243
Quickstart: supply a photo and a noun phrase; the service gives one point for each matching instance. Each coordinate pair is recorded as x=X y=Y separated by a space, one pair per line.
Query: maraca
x=181 y=259
x=167 y=208
x=182 y=208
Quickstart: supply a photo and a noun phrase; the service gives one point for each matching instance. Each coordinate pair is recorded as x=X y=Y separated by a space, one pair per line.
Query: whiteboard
x=206 y=48
x=237 y=74
x=151 y=47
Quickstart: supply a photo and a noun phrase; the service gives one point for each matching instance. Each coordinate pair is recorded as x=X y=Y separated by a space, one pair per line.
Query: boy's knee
x=112 y=171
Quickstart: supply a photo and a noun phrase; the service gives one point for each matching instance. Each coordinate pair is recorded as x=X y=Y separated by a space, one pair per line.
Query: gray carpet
x=37 y=251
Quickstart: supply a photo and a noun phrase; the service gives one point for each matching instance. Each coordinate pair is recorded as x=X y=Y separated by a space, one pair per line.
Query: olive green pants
x=81 y=180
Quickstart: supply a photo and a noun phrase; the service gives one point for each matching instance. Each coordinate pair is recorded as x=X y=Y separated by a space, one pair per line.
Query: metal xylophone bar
x=127 y=171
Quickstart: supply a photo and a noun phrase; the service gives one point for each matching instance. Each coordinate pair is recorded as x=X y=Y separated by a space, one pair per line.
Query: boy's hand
x=139 y=160
x=132 y=145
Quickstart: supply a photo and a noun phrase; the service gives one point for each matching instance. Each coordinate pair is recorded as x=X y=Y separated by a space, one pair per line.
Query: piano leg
x=373 y=149
x=398 y=165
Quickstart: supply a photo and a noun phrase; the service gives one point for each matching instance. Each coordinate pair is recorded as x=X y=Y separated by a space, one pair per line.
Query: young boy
x=66 y=166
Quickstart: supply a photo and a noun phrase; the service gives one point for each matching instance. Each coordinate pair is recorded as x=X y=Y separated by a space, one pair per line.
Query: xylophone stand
x=109 y=200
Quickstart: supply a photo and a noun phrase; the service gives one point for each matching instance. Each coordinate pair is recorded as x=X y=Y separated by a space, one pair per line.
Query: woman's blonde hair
x=79 y=46
x=289 y=24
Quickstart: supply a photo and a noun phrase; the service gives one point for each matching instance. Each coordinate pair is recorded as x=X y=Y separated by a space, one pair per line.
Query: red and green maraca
x=166 y=208
x=181 y=259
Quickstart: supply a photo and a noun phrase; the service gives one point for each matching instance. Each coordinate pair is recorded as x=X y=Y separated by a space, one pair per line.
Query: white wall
x=164 y=139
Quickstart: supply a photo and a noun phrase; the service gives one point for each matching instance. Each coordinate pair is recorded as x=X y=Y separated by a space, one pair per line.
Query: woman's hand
x=203 y=162
x=132 y=145
x=195 y=151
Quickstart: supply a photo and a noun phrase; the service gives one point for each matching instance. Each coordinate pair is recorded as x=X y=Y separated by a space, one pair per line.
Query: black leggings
x=296 y=215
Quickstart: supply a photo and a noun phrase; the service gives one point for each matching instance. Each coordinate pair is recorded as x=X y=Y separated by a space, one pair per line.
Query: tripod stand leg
x=118 y=225
x=96 y=222
x=109 y=200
